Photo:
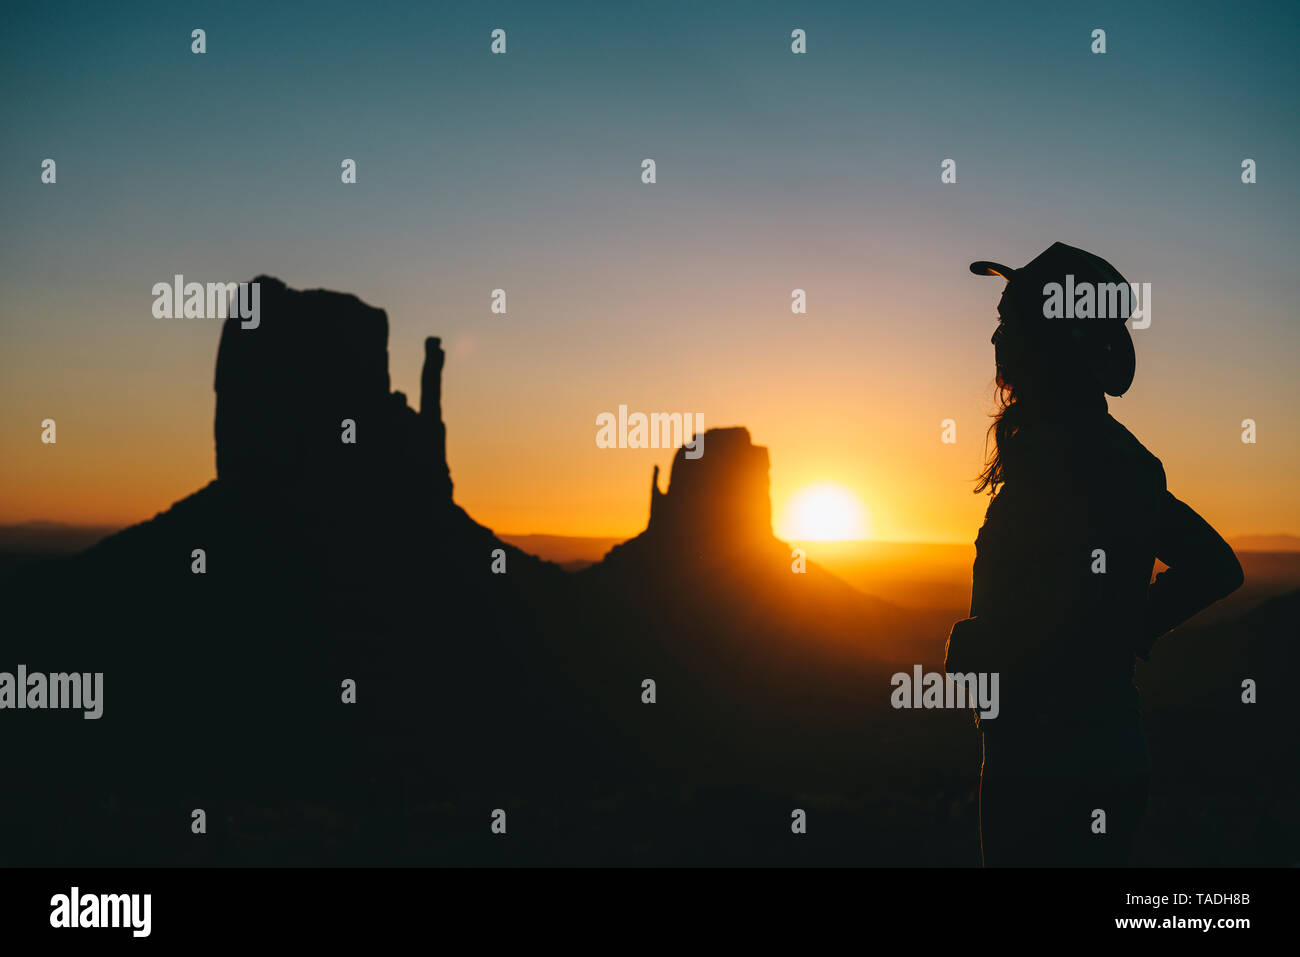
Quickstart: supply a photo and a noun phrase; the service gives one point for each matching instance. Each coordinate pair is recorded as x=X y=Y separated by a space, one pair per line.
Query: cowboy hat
x=1101 y=329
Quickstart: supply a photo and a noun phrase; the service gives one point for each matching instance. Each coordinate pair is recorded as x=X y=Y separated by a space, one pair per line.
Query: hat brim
x=984 y=268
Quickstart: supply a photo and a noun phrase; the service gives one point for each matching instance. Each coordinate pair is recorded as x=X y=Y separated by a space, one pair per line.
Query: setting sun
x=824 y=513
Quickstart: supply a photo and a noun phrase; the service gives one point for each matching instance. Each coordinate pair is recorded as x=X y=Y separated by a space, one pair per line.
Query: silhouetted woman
x=1063 y=602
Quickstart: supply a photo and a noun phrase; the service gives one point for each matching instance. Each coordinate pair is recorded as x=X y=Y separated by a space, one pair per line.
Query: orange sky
x=521 y=432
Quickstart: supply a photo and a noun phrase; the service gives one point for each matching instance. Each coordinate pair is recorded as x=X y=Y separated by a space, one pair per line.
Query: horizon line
x=112 y=528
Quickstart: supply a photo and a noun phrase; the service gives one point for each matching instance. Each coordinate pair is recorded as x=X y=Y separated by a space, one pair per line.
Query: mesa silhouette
x=327 y=560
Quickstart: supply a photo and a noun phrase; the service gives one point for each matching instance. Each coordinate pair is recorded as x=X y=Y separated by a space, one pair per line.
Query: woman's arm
x=1202 y=569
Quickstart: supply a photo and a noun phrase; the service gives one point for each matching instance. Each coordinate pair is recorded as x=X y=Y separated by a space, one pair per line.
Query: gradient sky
x=775 y=171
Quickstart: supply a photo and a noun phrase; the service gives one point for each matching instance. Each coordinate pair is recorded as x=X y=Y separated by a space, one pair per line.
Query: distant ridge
x=563 y=549
x=65 y=538
x=1266 y=543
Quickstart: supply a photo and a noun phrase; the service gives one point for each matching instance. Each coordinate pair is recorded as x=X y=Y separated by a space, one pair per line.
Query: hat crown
x=1058 y=261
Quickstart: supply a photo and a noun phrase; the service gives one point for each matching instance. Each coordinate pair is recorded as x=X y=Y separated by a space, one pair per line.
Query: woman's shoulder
x=1059 y=465
x=1123 y=451
x=1126 y=443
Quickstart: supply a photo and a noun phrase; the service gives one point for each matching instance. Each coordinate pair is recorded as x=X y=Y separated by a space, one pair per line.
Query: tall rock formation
x=435 y=432
x=230 y=624
x=745 y=640
x=285 y=390
x=716 y=504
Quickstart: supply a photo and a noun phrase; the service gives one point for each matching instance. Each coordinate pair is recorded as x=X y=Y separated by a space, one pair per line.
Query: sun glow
x=824 y=513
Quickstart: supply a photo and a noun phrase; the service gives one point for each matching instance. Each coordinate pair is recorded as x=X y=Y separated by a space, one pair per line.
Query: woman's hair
x=1007 y=421
x=1041 y=377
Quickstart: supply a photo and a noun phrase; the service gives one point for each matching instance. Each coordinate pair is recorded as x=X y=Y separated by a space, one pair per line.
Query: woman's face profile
x=1006 y=308
x=1000 y=337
